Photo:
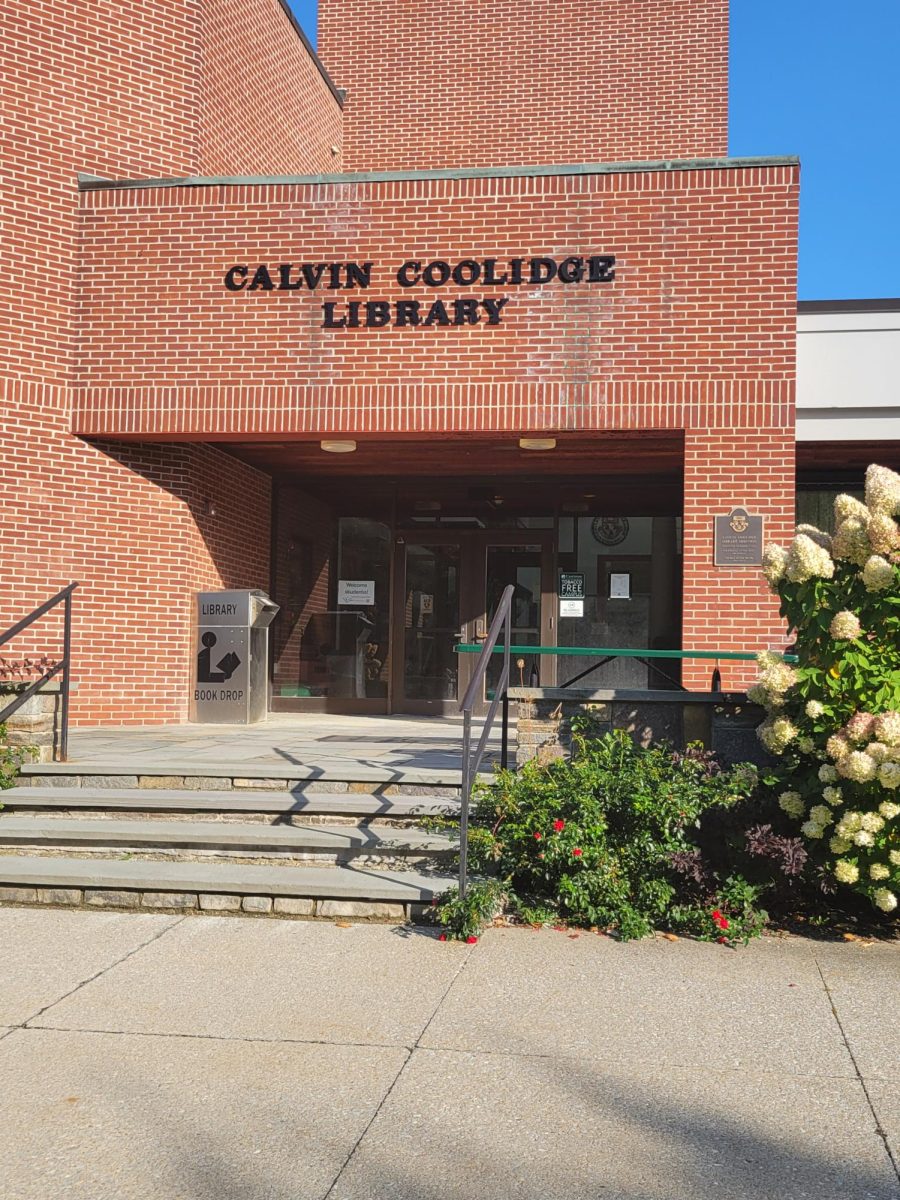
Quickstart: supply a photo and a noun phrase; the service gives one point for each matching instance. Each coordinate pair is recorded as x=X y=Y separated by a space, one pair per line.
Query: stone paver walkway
x=318 y=740
x=204 y=1058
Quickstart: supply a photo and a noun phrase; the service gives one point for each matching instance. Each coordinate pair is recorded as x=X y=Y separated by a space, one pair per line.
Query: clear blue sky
x=819 y=78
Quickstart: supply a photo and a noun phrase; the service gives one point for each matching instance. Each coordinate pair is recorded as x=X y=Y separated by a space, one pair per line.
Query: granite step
x=141 y=879
x=103 y=833
x=236 y=800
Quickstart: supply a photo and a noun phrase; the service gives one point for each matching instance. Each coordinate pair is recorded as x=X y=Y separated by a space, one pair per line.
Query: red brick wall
x=130 y=523
x=510 y=82
x=701 y=309
x=266 y=108
x=129 y=89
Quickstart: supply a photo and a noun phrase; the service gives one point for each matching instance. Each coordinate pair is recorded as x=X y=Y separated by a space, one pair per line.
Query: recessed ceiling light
x=338 y=447
x=547 y=443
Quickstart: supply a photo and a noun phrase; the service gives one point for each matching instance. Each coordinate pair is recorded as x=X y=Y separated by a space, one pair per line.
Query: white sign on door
x=356 y=591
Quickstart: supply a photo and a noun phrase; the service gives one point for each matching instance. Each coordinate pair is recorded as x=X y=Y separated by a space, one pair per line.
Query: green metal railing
x=605 y=654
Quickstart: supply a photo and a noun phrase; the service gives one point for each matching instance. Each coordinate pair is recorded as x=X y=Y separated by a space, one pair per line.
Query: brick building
x=476 y=297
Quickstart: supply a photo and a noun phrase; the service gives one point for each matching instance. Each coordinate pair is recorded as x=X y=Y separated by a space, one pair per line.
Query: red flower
x=716 y=915
x=723 y=924
x=577 y=852
x=442 y=938
x=559 y=826
x=538 y=836
x=471 y=939
x=720 y=940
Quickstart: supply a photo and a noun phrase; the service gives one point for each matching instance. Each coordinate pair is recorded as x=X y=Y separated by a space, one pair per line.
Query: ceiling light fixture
x=546 y=443
x=338 y=447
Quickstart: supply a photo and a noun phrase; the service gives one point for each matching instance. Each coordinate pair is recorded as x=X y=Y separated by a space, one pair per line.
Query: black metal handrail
x=62 y=666
x=470 y=764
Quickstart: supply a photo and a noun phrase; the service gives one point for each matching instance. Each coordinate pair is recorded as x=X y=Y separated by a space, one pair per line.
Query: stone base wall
x=725 y=723
x=36 y=724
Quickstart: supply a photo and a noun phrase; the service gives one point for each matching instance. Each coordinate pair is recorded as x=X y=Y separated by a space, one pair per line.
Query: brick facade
x=123 y=357
x=528 y=82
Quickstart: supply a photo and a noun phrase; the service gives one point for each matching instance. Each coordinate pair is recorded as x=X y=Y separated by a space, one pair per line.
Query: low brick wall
x=36 y=723
x=724 y=722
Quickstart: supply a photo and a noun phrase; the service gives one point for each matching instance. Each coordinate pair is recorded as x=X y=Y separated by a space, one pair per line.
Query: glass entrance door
x=447 y=586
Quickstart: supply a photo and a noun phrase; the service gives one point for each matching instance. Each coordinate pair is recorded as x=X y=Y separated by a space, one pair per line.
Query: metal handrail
x=63 y=666
x=631 y=652
x=470 y=764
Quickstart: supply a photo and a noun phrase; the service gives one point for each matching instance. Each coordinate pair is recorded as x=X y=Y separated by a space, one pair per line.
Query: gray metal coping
x=234 y=800
x=230 y=835
x=91 y=183
x=292 y=773
x=627 y=695
x=338 y=883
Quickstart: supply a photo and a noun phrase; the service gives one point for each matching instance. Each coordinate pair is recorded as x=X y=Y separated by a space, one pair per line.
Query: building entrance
x=446 y=587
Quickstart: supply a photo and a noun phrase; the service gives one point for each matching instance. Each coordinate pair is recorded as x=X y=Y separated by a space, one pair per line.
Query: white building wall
x=848 y=372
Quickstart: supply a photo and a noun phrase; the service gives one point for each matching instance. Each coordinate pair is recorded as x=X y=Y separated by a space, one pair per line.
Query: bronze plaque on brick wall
x=738 y=539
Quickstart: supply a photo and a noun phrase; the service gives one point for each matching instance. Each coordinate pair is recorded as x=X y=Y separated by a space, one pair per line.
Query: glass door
x=447 y=585
x=428 y=580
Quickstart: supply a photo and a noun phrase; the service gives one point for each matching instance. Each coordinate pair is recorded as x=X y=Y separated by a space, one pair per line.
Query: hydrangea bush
x=834 y=718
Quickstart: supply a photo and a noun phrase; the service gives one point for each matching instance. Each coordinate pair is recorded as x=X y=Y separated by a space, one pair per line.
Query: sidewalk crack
x=879 y=1129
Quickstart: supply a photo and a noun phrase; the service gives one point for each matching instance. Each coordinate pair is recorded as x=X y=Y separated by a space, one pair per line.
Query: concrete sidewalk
x=203 y=1058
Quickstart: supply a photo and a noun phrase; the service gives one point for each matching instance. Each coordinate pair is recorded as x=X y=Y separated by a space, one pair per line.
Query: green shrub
x=834 y=721
x=11 y=759
x=609 y=838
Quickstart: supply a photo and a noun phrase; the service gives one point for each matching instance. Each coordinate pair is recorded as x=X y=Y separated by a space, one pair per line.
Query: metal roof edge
x=887 y=304
x=88 y=183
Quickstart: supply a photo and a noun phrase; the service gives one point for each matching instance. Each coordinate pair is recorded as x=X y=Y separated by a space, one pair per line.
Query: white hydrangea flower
x=877 y=574
x=814 y=709
x=821 y=814
x=860 y=727
x=837 y=747
x=792 y=804
x=878 y=751
x=851 y=541
x=889 y=810
x=885 y=899
x=872 y=822
x=889 y=775
x=894 y=856
x=879 y=871
x=832 y=795
x=882 y=490
x=774 y=562
x=777 y=734
x=806 y=745
x=887 y=727
x=846 y=871
x=884 y=535
x=827 y=773
x=857 y=766
x=778 y=678
x=848 y=506
x=757 y=694
x=849 y=823
x=807 y=560
x=845 y=626
x=811 y=829
x=839 y=845
x=864 y=839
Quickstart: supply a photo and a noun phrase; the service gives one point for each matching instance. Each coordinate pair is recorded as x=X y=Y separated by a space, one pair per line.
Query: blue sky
x=819 y=78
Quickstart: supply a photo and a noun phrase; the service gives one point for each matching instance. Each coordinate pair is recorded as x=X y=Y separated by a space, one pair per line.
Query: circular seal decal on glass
x=610 y=531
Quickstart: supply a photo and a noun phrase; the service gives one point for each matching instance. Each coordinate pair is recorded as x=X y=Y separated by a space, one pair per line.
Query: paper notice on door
x=356 y=591
x=571 y=608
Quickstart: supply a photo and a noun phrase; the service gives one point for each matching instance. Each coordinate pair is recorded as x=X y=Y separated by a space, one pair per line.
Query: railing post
x=504 y=727
x=64 y=682
x=464 y=804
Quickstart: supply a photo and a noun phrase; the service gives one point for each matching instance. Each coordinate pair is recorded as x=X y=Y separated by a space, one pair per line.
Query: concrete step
x=237 y=800
x=340 y=840
x=174 y=774
x=153 y=883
